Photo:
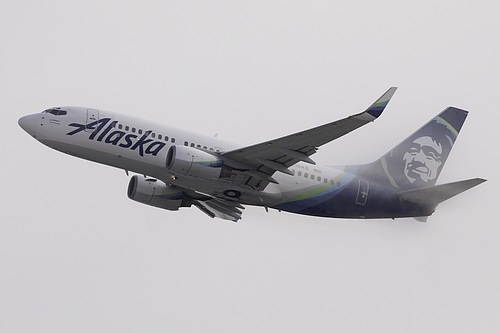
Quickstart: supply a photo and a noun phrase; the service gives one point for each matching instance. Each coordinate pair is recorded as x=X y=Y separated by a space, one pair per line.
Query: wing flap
x=223 y=209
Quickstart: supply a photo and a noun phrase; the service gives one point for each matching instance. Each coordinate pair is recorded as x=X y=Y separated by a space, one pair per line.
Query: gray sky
x=76 y=255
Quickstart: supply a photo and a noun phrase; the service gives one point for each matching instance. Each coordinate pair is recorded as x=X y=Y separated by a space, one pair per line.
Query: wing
x=255 y=165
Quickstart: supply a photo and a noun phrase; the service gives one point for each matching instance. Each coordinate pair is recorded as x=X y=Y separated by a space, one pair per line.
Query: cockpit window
x=56 y=112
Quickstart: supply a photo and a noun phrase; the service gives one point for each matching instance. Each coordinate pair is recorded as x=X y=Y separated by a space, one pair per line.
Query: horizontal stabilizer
x=434 y=195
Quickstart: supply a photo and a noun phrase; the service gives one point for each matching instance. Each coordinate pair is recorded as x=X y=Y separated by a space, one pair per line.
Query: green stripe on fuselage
x=316 y=190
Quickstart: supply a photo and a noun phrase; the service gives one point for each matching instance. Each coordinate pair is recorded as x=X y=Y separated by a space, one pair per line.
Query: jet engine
x=195 y=163
x=155 y=193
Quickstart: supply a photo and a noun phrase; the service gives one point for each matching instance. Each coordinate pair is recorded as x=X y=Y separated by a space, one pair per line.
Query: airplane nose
x=28 y=123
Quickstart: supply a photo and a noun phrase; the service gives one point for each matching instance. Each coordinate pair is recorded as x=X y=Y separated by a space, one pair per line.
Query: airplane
x=175 y=168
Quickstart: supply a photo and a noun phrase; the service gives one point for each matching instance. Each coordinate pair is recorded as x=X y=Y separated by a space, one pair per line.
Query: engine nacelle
x=155 y=193
x=195 y=163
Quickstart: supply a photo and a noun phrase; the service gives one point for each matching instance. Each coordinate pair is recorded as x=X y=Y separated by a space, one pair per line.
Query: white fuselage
x=122 y=141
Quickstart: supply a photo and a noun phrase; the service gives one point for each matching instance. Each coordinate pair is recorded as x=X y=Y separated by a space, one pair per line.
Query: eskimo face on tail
x=418 y=160
x=423 y=160
x=422 y=156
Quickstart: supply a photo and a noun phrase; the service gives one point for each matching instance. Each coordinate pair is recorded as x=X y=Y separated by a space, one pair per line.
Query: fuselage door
x=92 y=119
x=362 y=192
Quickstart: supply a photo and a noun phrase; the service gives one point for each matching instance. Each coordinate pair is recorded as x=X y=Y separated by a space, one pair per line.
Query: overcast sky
x=76 y=255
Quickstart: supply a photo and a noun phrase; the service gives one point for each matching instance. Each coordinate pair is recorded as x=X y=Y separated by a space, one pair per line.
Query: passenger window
x=332 y=182
x=153 y=135
x=159 y=137
x=325 y=180
x=319 y=178
x=299 y=173
x=166 y=138
x=126 y=128
x=186 y=143
x=173 y=140
x=140 y=131
x=133 y=129
x=312 y=177
x=192 y=144
x=198 y=146
x=306 y=175
x=204 y=147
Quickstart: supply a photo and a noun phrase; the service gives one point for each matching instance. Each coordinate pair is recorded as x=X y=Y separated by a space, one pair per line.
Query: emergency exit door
x=92 y=119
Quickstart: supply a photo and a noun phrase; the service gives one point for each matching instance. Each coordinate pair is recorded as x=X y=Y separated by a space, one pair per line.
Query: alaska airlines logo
x=418 y=160
x=118 y=137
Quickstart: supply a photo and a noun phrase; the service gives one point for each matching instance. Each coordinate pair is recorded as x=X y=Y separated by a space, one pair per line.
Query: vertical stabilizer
x=418 y=160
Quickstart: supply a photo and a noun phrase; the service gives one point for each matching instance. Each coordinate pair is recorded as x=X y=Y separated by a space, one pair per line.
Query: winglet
x=376 y=108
